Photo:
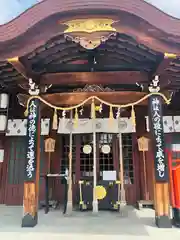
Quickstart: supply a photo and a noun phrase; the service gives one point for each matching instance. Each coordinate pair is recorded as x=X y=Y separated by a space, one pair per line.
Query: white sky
x=171 y=7
x=12 y=8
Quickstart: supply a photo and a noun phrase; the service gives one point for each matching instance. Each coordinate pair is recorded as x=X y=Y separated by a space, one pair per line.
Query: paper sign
x=109 y=175
x=1 y=155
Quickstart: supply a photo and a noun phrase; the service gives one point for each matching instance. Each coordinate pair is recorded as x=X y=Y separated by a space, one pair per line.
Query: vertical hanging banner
x=156 y=123
x=31 y=168
x=32 y=128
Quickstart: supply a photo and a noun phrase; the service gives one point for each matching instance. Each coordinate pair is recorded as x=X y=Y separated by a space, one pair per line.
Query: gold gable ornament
x=80 y=27
x=90 y=25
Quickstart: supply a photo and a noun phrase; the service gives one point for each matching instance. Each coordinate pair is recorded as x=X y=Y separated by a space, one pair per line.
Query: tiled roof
x=10 y=9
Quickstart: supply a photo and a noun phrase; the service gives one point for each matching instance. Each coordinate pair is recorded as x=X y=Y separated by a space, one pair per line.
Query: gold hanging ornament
x=76 y=117
x=133 y=116
x=55 y=120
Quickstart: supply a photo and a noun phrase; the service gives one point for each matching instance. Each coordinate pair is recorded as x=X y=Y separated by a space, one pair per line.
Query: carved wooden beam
x=104 y=78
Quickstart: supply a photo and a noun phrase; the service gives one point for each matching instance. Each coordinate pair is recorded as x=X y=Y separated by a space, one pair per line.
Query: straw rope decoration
x=92 y=100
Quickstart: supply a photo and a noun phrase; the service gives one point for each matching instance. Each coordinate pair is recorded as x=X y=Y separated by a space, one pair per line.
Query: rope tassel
x=93 y=114
x=26 y=113
x=76 y=117
x=55 y=120
x=111 y=116
x=133 y=116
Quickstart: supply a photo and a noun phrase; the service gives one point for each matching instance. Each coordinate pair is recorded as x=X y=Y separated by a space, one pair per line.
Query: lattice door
x=128 y=158
x=65 y=160
x=129 y=168
x=86 y=160
x=65 y=153
x=106 y=159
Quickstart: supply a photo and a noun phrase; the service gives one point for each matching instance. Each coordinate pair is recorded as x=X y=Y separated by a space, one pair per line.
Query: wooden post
x=95 y=202
x=161 y=178
x=32 y=166
x=69 y=200
x=121 y=172
x=143 y=146
x=49 y=147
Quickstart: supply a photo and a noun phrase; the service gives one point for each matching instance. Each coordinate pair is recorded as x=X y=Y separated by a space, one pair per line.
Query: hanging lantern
x=3 y=123
x=4 y=100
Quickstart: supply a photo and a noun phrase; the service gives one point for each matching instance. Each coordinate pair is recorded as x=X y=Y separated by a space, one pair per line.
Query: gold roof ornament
x=170 y=55
x=86 y=29
x=90 y=25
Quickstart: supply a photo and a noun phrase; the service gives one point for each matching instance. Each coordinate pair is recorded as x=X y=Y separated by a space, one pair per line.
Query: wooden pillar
x=70 y=197
x=161 y=179
x=32 y=165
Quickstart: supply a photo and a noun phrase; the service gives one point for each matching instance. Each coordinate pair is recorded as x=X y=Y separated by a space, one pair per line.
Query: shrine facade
x=89 y=108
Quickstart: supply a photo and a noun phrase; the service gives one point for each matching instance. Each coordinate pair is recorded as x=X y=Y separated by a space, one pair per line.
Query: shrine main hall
x=89 y=108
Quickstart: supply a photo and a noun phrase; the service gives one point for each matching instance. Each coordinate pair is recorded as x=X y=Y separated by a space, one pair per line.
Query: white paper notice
x=109 y=175
x=1 y=155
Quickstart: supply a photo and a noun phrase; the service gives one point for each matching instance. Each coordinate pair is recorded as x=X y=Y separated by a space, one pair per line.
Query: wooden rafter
x=18 y=66
x=24 y=70
x=165 y=77
x=60 y=68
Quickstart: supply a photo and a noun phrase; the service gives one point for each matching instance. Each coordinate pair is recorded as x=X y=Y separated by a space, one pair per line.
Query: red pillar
x=176 y=190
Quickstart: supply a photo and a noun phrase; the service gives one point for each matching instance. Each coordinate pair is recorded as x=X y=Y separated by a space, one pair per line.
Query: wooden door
x=15 y=175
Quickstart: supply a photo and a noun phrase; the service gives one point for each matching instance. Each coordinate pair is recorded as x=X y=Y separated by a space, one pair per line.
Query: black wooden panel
x=110 y=202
